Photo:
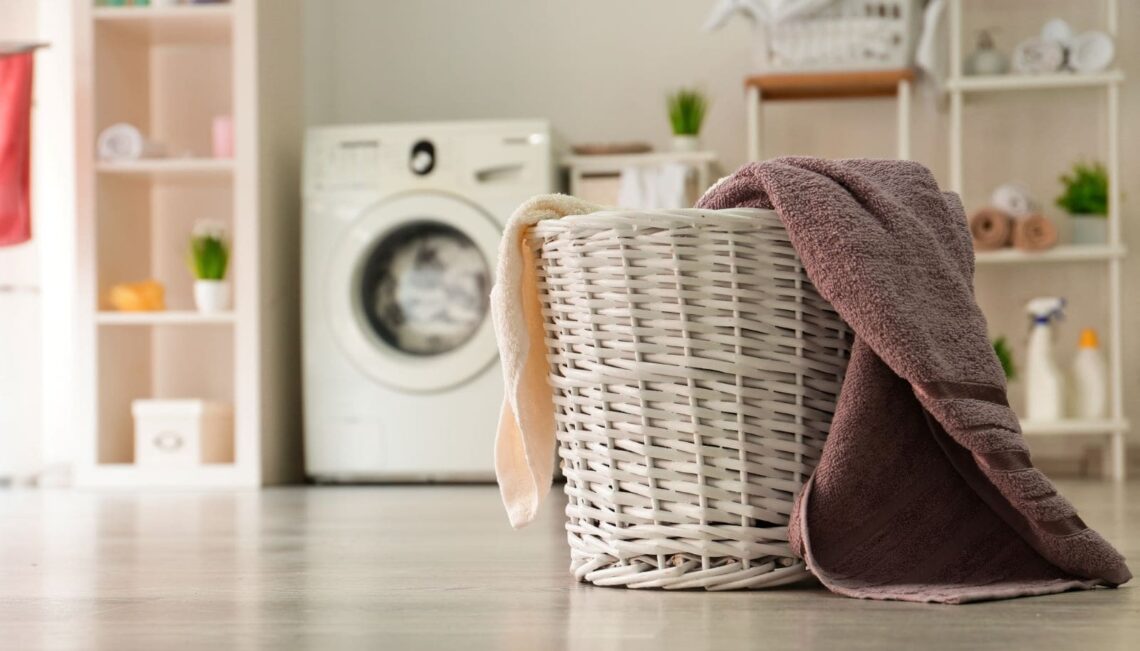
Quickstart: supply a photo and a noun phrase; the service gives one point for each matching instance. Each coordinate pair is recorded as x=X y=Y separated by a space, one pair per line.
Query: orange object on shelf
x=145 y=296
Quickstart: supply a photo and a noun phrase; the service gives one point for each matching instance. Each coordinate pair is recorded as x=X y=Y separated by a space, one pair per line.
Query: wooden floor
x=438 y=568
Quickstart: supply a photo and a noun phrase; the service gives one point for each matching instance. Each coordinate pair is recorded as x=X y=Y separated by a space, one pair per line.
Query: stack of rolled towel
x=1012 y=218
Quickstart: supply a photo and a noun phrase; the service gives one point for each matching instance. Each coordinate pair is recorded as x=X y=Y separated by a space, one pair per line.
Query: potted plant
x=686 y=113
x=209 y=257
x=1005 y=356
x=1085 y=198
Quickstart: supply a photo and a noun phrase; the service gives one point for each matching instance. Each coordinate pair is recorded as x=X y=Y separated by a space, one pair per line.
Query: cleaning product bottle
x=1044 y=385
x=1090 y=382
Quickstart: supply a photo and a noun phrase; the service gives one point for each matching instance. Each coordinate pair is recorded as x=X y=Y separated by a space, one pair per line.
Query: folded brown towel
x=924 y=490
x=1034 y=233
x=991 y=229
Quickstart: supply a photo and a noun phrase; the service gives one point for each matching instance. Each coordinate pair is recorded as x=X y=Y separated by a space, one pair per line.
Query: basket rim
x=685 y=217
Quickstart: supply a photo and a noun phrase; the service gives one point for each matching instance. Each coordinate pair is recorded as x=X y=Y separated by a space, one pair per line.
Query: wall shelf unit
x=1111 y=431
x=170 y=71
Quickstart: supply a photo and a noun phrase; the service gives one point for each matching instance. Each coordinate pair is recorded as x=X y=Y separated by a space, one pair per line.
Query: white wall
x=36 y=334
x=599 y=70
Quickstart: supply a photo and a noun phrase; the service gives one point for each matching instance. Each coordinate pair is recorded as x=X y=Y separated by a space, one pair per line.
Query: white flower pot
x=212 y=295
x=1088 y=229
x=686 y=143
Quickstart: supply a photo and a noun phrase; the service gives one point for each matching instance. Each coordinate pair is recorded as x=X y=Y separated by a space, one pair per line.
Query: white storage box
x=182 y=433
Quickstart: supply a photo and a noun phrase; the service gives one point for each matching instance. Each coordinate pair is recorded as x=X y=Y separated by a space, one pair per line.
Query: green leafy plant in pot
x=687 y=109
x=1085 y=198
x=209 y=258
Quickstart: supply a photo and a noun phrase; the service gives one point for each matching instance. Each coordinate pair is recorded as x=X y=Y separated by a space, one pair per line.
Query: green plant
x=1086 y=190
x=209 y=255
x=1005 y=356
x=687 y=109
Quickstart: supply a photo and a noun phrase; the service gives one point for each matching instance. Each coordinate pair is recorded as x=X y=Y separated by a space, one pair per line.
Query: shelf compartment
x=169 y=25
x=166 y=317
x=1062 y=253
x=169 y=167
x=997 y=83
x=1100 y=427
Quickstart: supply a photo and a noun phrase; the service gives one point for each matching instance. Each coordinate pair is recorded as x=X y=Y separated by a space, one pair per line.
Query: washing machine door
x=409 y=286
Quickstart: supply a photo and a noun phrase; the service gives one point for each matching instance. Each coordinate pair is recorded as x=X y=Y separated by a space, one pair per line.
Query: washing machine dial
x=422 y=160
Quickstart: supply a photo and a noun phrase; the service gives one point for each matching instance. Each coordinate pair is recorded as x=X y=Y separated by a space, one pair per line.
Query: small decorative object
x=1015 y=199
x=1035 y=56
x=1091 y=52
x=182 y=433
x=986 y=59
x=686 y=113
x=145 y=296
x=209 y=257
x=124 y=141
x=223 y=136
x=1005 y=356
x=1085 y=198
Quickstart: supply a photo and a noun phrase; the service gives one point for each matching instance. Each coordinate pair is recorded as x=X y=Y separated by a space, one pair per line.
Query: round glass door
x=408 y=291
x=424 y=288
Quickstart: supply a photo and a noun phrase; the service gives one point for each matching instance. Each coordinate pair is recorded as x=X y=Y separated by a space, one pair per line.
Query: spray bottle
x=1044 y=384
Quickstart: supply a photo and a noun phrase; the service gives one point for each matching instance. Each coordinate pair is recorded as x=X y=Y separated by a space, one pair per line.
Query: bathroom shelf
x=169 y=25
x=1111 y=254
x=167 y=317
x=168 y=167
x=987 y=83
x=1063 y=253
x=1074 y=427
x=171 y=72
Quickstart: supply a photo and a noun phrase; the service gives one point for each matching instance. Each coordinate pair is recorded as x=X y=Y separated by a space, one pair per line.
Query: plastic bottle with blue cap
x=1044 y=382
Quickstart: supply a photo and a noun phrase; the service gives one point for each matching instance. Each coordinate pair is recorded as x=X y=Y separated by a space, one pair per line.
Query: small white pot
x=212 y=295
x=686 y=143
x=1089 y=229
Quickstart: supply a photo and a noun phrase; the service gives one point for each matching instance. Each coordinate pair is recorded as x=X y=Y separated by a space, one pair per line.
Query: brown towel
x=924 y=490
x=1034 y=233
x=991 y=229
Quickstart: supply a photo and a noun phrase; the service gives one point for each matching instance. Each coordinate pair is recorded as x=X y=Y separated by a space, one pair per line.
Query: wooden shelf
x=169 y=167
x=609 y=162
x=209 y=23
x=168 y=317
x=993 y=83
x=829 y=85
x=1063 y=253
x=128 y=475
x=1074 y=427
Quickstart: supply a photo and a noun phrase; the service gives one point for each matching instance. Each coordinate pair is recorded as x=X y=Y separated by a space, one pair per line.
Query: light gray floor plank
x=437 y=568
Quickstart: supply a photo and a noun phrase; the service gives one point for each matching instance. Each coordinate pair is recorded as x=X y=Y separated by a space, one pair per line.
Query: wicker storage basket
x=695 y=372
x=845 y=35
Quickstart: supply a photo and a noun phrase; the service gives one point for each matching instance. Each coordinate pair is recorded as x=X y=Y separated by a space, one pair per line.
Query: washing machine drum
x=409 y=291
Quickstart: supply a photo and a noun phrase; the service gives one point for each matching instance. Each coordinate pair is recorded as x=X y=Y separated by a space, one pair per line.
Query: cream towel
x=526 y=442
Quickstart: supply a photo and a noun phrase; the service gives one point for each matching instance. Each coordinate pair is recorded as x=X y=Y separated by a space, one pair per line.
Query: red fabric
x=15 y=148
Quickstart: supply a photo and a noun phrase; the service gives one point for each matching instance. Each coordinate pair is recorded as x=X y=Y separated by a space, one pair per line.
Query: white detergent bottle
x=1044 y=384
x=1090 y=381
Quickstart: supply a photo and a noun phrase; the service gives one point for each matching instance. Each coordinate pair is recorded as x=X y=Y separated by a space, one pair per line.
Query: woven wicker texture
x=695 y=373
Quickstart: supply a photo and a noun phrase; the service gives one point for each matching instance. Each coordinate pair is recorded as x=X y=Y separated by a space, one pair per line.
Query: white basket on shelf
x=845 y=35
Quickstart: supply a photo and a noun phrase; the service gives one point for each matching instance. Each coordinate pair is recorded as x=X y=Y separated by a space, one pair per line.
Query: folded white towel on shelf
x=653 y=187
x=523 y=463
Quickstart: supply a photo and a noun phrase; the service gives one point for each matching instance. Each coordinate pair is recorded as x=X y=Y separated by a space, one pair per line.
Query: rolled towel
x=991 y=229
x=1014 y=198
x=124 y=141
x=1034 y=233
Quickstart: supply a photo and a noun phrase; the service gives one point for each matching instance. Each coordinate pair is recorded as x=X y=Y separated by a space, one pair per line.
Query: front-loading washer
x=401 y=230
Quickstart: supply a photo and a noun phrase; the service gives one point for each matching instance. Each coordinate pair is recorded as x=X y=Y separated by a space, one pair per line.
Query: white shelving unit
x=1111 y=254
x=170 y=71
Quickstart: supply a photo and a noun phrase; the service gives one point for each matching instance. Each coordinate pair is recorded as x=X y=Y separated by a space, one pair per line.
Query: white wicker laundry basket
x=844 y=35
x=695 y=372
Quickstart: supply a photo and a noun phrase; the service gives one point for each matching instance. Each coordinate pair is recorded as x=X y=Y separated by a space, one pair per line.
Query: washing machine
x=401 y=229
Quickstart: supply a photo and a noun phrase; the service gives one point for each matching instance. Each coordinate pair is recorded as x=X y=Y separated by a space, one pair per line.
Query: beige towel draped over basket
x=695 y=371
